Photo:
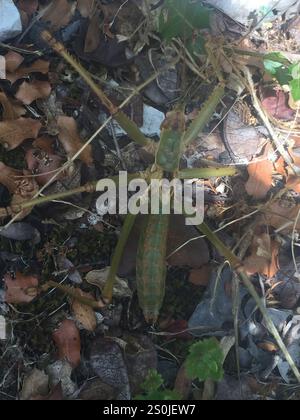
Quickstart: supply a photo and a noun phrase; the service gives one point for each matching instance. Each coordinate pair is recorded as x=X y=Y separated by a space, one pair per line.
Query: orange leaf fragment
x=30 y=92
x=67 y=340
x=14 y=132
x=264 y=256
x=260 y=177
x=69 y=138
x=22 y=289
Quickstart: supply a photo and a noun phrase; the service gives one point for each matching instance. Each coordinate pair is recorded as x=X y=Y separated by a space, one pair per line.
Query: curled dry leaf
x=13 y=60
x=28 y=6
x=30 y=92
x=86 y=7
x=39 y=66
x=98 y=278
x=264 y=256
x=84 y=314
x=69 y=138
x=59 y=14
x=8 y=110
x=22 y=289
x=14 y=132
x=67 y=340
x=275 y=102
x=260 y=177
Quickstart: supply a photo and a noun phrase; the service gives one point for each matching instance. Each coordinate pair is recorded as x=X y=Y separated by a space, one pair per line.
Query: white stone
x=10 y=20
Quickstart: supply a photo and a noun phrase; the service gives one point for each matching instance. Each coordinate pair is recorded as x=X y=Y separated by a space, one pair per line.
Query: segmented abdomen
x=151 y=266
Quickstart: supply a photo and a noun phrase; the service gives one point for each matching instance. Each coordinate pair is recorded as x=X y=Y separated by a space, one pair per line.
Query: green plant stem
x=205 y=114
x=118 y=254
x=128 y=126
x=236 y=264
x=205 y=173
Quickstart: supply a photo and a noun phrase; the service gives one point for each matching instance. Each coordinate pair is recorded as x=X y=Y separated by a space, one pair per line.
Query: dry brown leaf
x=183 y=384
x=59 y=14
x=93 y=34
x=281 y=214
x=264 y=256
x=84 y=314
x=86 y=7
x=39 y=66
x=69 y=138
x=293 y=183
x=9 y=177
x=67 y=340
x=35 y=383
x=201 y=276
x=22 y=289
x=260 y=177
x=28 y=6
x=13 y=60
x=14 y=132
x=30 y=92
x=9 y=111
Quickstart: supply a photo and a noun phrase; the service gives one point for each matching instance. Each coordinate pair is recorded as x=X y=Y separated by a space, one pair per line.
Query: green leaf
x=153 y=392
x=180 y=18
x=272 y=66
x=153 y=381
x=295 y=71
x=295 y=89
x=205 y=361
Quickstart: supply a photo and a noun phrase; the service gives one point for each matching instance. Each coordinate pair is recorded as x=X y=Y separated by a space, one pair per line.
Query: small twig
x=279 y=146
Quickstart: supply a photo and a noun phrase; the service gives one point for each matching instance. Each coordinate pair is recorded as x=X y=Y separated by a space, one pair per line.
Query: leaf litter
x=54 y=267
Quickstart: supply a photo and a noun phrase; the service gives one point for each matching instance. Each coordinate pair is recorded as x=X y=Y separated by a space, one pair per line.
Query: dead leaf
x=201 y=276
x=264 y=256
x=22 y=289
x=13 y=60
x=92 y=38
x=9 y=112
x=268 y=346
x=86 y=7
x=281 y=214
x=36 y=383
x=98 y=278
x=39 y=66
x=260 y=177
x=28 y=6
x=293 y=183
x=14 y=132
x=67 y=340
x=275 y=102
x=84 y=314
x=183 y=384
x=30 y=92
x=59 y=14
x=69 y=138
